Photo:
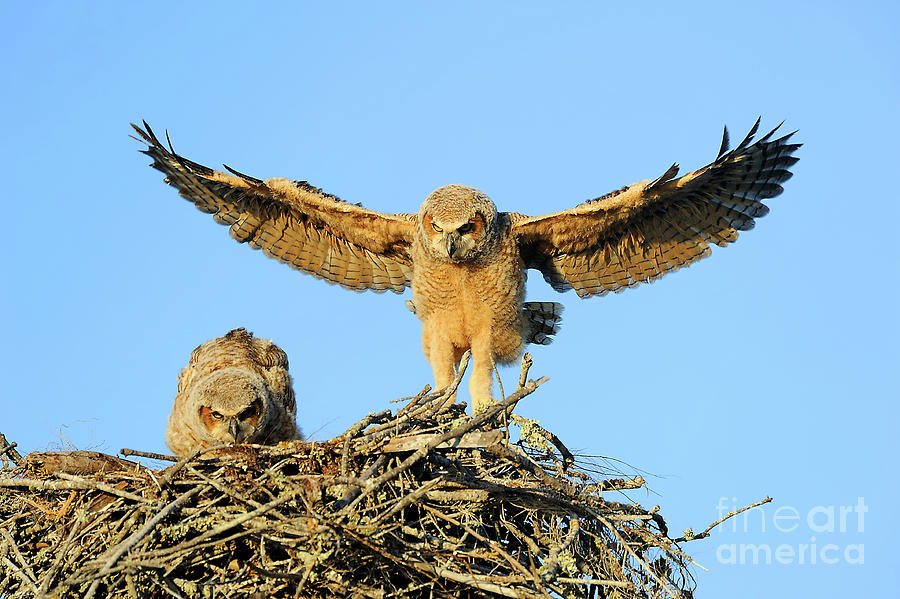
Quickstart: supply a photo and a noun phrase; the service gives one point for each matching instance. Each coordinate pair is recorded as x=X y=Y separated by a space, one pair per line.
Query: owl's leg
x=482 y=379
x=440 y=354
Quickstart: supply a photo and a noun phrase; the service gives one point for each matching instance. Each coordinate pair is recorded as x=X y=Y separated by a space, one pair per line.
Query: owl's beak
x=234 y=429
x=452 y=243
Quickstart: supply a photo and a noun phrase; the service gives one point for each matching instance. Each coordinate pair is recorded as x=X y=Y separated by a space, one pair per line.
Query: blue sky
x=769 y=369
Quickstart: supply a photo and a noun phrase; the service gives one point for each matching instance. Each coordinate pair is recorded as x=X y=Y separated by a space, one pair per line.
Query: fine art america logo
x=825 y=531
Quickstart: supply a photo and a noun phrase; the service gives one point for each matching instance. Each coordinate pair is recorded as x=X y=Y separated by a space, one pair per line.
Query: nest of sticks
x=424 y=501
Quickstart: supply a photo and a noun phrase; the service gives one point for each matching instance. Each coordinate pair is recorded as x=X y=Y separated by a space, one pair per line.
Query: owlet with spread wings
x=466 y=262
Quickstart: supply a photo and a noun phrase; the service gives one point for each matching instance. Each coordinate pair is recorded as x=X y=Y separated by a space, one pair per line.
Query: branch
x=705 y=533
x=553 y=560
x=146 y=454
x=25 y=573
x=9 y=449
x=354 y=430
x=72 y=482
x=126 y=545
x=459 y=431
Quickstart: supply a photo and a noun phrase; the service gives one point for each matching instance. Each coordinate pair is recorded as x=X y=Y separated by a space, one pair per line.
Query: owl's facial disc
x=454 y=239
x=455 y=222
x=230 y=423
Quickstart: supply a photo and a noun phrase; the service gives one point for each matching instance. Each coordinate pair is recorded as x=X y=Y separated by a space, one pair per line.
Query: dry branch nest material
x=422 y=502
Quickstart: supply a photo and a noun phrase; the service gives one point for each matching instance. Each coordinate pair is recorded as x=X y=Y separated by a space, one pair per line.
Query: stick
x=354 y=430
x=126 y=545
x=75 y=483
x=448 y=393
x=25 y=573
x=459 y=431
x=9 y=449
x=470 y=580
x=147 y=454
x=171 y=471
x=553 y=560
x=90 y=484
x=618 y=484
x=568 y=458
x=237 y=521
x=527 y=361
x=624 y=544
x=413 y=401
x=595 y=581
x=493 y=544
x=409 y=499
x=57 y=562
x=705 y=533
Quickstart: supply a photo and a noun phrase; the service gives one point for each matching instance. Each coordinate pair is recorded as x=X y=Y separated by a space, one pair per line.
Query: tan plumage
x=235 y=389
x=466 y=262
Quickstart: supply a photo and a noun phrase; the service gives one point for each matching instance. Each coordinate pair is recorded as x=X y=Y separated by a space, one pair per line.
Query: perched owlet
x=466 y=262
x=235 y=389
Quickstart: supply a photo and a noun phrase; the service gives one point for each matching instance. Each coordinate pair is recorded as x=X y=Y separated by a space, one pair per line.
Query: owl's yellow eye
x=250 y=412
x=436 y=228
x=466 y=228
x=217 y=415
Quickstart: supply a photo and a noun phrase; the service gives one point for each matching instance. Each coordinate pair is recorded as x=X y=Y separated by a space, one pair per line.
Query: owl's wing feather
x=643 y=231
x=296 y=223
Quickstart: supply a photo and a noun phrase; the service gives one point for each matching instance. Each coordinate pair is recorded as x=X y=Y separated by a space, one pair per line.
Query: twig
x=527 y=362
x=568 y=458
x=619 y=484
x=25 y=573
x=126 y=545
x=147 y=454
x=352 y=492
x=552 y=564
x=170 y=472
x=731 y=514
x=92 y=484
x=532 y=545
x=75 y=483
x=270 y=574
x=554 y=483
x=624 y=544
x=221 y=488
x=595 y=581
x=54 y=567
x=493 y=544
x=354 y=430
x=21 y=574
x=497 y=374
x=9 y=449
x=413 y=401
x=238 y=521
x=408 y=499
x=448 y=393
x=482 y=418
x=470 y=580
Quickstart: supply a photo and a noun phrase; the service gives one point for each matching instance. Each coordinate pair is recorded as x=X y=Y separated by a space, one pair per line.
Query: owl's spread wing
x=645 y=230
x=296 y=223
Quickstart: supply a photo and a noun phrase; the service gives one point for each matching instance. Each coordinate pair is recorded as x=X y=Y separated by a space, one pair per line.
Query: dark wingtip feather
x=765 y=138
x=749 y=137
x=246 y=178
x=726 y=142
x=146 y=134
x=670 y=174
x=171 y=147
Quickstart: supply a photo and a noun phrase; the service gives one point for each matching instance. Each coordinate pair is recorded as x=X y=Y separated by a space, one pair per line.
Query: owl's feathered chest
x=495 y=284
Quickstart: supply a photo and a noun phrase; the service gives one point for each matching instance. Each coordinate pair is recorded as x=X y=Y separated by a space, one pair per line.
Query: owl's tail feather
x=541 y=321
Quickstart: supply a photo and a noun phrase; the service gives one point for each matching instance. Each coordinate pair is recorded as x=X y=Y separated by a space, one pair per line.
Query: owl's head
x=457 y=223
x=231 y=405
